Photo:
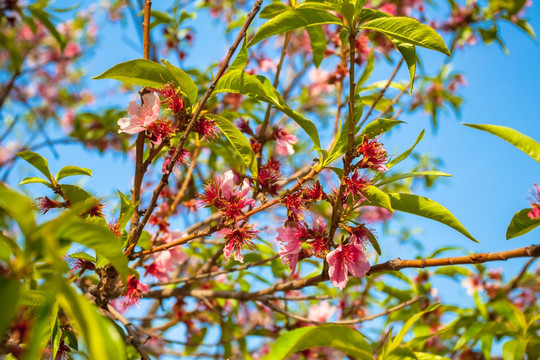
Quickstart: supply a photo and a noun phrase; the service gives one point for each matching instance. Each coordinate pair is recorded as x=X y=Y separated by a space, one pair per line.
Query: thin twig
x=514 y=283
x=344 y=322
x=133 y=337
x=381 y=93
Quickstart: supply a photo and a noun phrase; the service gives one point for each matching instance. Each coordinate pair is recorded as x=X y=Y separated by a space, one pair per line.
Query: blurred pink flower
x=284 y=142
x=343 y=260
x=140 y=116
x=535 y=203
x=166 y=262
x=321 y=311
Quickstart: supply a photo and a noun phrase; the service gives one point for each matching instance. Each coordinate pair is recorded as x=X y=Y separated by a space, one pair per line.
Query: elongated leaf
x=469 y=334
x=426 y=356
x=340 y=146
x=405 y=154
x=293 y=19
x=409 y=175
x=238 y=141
x=368 y=69
x=317 y=39
x=365 y=15
x=410 y=322
x=75 y=193
x=19 y=208
x=524 y=143
x=43 y=17
x=272 y=10
x=82 y=256
x=99 y=238
x=521 y=224
x=34 y=180
x=139 y=72
x=514 y=349
x=239 y=82
x=9 y=293
x=408 y=52
x=34 y=298
x=126 y=210
x=409 y=31
x=37 y=161
x=72 y=171
x=338 y=337
x=241 y=59
x=101 y=338
x=377 y=197
x=379 y=126
x=187 y=86
x=422 y=206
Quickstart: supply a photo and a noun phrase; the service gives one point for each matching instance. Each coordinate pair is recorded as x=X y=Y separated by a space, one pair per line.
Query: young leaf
x=272 y=10
x=82 y=256
x=409 y=31
x=238 y=141
x=43 y=17
x=291 y=20
x=241 y=59
x=317 y=39
x=126 y=210
x=239 y=82
x=379 y=126
x=524 y=143
x=34 y=180
x=521 y=224
x=405 y=154
x=75 y=193
x=339 y=337
x=408 y=52
x=37 y=161
x=187 y=86
x=139 y=72
x=19 y=208
x=422 y=206
x=72 y=171
x=410 y=322
x=377 y=197
x=9 y=293
x=411 y=174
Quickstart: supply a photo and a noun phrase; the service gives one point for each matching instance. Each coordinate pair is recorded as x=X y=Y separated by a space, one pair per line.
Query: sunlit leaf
x=521 y=224
x=187 y=86
x=72 y=171
x=139 y=72
x=37 y=161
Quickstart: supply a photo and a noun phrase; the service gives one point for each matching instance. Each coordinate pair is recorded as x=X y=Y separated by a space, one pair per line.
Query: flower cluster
x=237 y=238
x=164 y=262
x=224 y=195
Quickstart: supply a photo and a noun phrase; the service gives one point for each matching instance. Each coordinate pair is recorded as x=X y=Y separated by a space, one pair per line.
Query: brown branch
x=514 y=283
x=133 y=338
x=216 y=273
x=392 y=265
x=344 y=322
x=7 y=88
x=185 y=183
x=381 y=93
x=165 y=178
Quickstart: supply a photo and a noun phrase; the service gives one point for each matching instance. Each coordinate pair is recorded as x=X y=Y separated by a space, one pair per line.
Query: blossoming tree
x=279 y=179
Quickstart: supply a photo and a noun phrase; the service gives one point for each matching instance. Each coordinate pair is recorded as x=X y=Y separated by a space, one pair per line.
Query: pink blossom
x=166 y=261
x=134 y=292
x=319 y=79
x=373 y=155
x=237 y=238
x=72 y=50
x=472 y=284
x=67 y=120
x=535 y=204
x=321 y=312
x=373 y=214
x=141 y=116
x=343 y=260
x=267 y=64
x=284 y=142
x=291 y=244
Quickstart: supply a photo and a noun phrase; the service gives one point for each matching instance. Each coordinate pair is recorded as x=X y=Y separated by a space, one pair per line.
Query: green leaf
x=101 y=338
x=368 y=69
x=409 y=175
x=339 y=337
x=72 y=171
x=272 y=10
x=43 y=17
x=524 y=143
x=187 y=86
x=521 y=224
x=34 y=180
x=19 y=208
x=126 y=210
x=426 y=356
x=371 y=14
x=379 y=126
x=37 y=161
x=239 y=82
x=408 y=52
x=139 y=72
x=422 y=206
x=377 y=197
x=241 y=59
x=9 y=293
x=409 y=31
x=75 y=193
x=410 y=322
x=82 y=256
x=34 y=298
x=293 y=19
x=469 y=334
x=405 y=154
x=238 y=141
x=317 y=39
x=514 y=349
x=99 y=238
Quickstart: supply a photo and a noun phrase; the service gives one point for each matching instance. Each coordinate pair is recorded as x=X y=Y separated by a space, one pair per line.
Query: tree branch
x=133 y=337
